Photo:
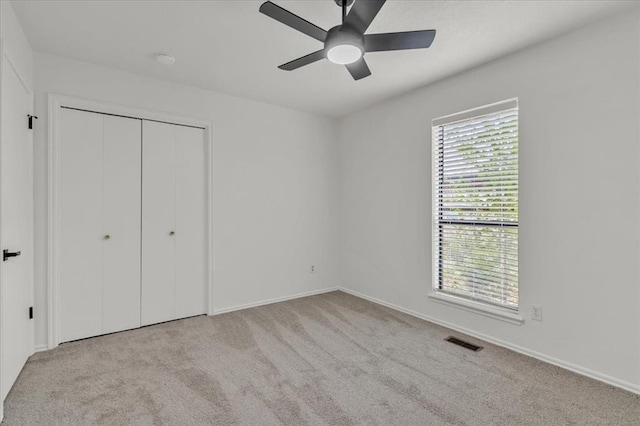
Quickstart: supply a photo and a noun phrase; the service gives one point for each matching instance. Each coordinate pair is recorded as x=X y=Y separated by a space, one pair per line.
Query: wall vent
x=464 y=344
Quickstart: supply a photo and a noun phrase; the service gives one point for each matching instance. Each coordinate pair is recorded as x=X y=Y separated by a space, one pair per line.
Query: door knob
x=6 y=254
x=172 y=233
x=106 y=237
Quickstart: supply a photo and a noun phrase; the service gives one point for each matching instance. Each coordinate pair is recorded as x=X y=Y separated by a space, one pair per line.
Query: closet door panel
x=158 y=221
x=121 y=200
x=191 y=222
x=81 y=235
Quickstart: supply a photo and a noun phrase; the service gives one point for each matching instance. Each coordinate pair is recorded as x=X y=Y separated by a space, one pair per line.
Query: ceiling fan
x=347 y=43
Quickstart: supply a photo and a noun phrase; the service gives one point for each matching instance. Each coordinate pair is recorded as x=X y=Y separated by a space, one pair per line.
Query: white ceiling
x=228 y=46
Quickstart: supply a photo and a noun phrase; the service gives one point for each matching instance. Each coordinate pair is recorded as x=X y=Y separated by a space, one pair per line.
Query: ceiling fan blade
x=399 y=41
x=305 y=60
x=359 y=69
x=294 y=21
x=362 y=14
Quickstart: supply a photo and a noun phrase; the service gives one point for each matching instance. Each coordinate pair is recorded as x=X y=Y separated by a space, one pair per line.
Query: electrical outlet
x=313 y=269
x=536 y=312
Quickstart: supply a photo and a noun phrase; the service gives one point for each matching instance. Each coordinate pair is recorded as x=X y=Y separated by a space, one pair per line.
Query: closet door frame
x=55 y=104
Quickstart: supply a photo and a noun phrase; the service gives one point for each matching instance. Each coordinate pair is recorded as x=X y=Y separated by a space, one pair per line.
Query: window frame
x=437 y=294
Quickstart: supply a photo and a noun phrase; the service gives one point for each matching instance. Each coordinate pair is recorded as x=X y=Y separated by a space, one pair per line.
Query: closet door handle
x=172 y=233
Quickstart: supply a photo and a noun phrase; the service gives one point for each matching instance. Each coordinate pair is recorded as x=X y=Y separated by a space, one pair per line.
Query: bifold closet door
x=191 y=222
x=100 y=201
x=173 y=222
x=158 y=222
x=122 y=203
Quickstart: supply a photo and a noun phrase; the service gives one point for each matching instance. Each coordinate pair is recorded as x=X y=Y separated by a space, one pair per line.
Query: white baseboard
x=628 y=386
x=274 y=300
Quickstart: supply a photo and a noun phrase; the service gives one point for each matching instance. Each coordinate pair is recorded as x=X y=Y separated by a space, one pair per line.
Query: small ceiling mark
x=165 y=59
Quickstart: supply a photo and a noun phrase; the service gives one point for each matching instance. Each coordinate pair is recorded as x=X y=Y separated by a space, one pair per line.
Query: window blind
x=476 y=205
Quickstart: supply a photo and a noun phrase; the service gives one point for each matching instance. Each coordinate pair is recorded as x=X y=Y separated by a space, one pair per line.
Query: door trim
x=55 y=103
x=1 y=286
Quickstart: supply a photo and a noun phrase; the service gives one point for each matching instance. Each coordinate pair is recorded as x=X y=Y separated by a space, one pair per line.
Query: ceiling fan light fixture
x=346 y=43
x=344 y=54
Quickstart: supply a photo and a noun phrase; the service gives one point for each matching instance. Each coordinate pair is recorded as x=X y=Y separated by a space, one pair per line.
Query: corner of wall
x=17 y=48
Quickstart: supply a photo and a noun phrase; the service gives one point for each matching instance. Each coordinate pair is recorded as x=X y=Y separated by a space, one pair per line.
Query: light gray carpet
x=328 y=359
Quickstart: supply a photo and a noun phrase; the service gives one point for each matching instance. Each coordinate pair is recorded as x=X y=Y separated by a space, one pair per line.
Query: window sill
x=478 y=308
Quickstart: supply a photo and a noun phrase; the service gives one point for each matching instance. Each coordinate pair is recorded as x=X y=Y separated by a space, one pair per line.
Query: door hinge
x=6 y=254
x=31 y=117
x=30 y=312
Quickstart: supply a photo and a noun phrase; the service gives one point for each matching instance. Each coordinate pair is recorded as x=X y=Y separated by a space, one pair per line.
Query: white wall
x=275 y=182
x=579 y=198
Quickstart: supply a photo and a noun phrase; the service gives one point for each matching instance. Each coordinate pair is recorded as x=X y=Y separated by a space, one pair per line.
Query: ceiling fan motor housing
x=341 y=35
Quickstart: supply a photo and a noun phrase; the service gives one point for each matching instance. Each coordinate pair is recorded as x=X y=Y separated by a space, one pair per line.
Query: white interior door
x=158 y=222
x=191 y=222
x=16 y=217
x=100 y=201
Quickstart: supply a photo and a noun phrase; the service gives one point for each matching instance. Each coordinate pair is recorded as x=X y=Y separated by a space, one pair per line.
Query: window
x=475 y=202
